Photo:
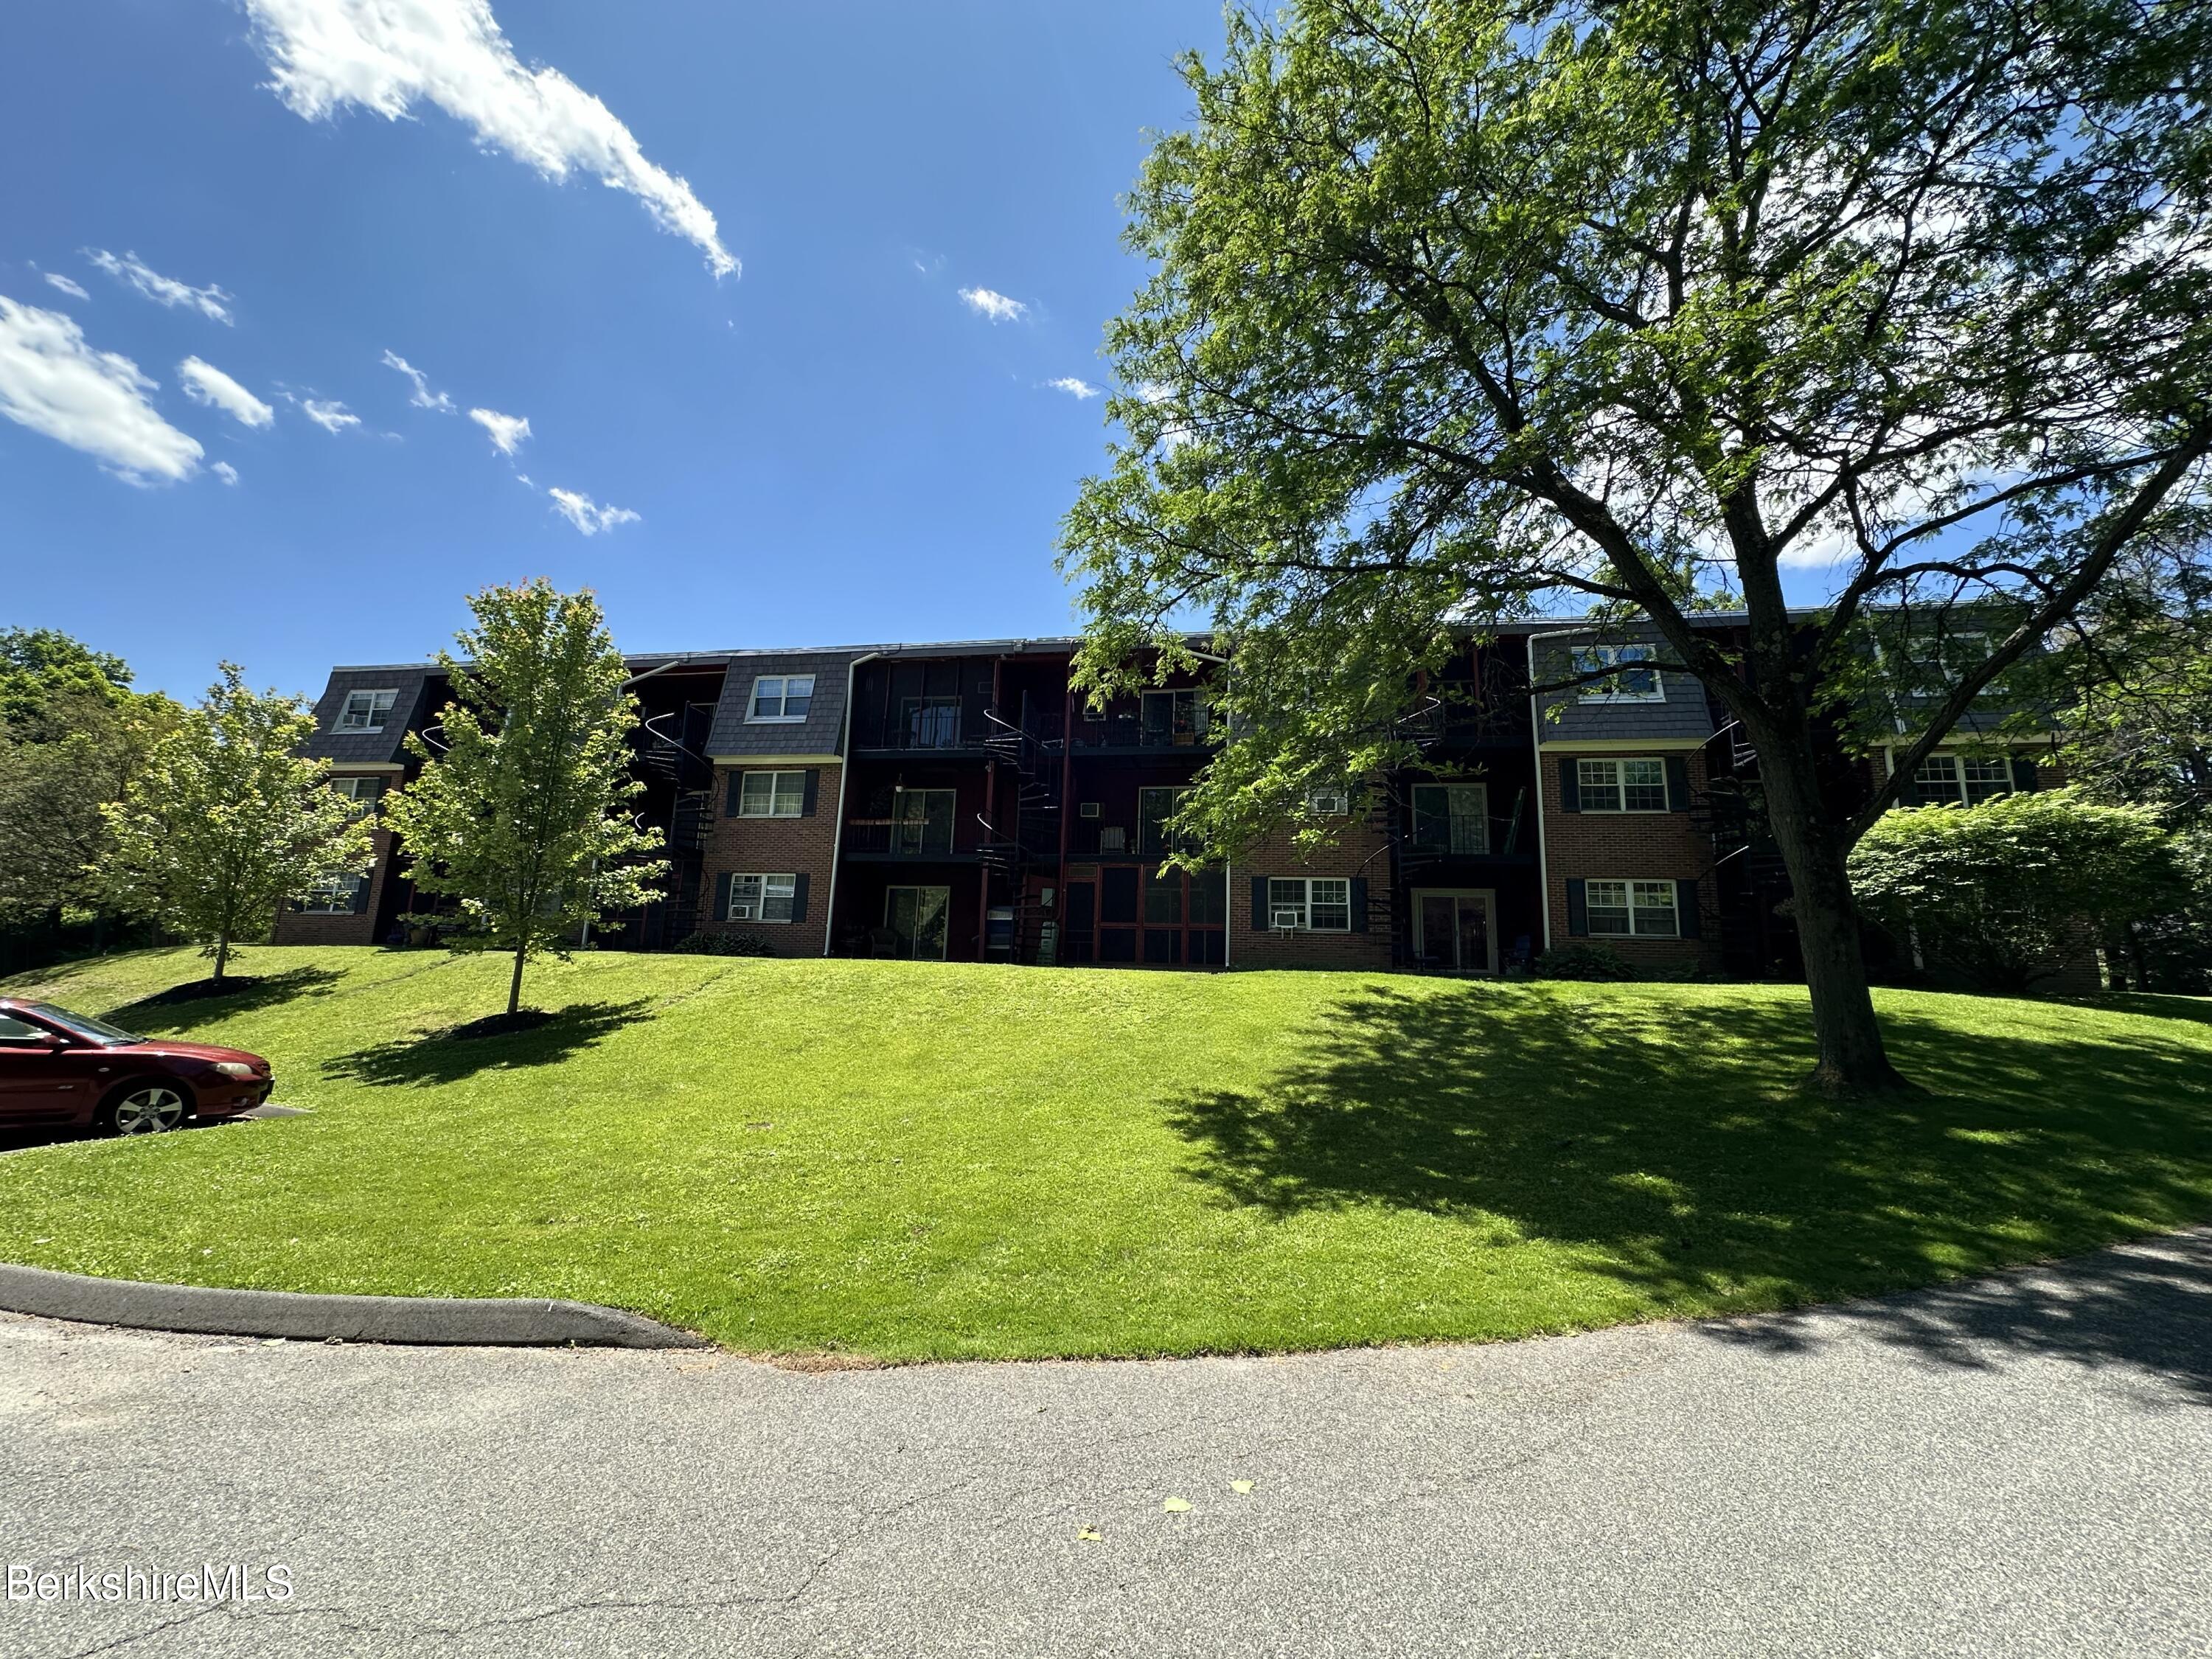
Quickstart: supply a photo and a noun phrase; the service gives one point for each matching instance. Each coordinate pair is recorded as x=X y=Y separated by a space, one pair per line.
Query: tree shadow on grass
x=1664 y=1142
x=2154 y=1003
x=430 y=1058
x=181 y=1007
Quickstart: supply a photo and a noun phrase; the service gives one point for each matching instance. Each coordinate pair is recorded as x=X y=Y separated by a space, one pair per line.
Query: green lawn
x=911 y=1161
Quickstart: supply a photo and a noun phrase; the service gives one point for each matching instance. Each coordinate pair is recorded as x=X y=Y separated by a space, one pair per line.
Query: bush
x=2016 y=889
x=725 y=944
x=1590 y=962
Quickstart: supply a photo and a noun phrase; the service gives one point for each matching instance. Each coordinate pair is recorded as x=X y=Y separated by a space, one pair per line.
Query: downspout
x=1536 y=741
x=844 y=771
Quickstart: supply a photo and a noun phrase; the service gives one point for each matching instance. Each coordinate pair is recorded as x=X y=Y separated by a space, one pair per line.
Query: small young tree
x=518 y=813
x=226 y=821
x=2007 y=892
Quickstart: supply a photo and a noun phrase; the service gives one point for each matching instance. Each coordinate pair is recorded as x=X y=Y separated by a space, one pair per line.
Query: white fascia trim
x=1626 y=745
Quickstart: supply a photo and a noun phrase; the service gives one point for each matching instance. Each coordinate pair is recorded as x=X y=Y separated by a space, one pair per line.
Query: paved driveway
x=2020 y=1467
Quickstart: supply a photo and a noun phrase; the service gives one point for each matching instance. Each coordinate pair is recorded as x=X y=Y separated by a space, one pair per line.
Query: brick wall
x=774 y=847
x=1362 y=851
x=1632 y=845
x=297 y=928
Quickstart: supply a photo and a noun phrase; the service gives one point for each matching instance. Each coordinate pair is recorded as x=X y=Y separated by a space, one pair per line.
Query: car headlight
x=234 y=1068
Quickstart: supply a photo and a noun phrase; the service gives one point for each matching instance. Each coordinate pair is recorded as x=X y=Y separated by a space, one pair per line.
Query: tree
x=1464 y=309
x=518 y=813
x=2012 y=891
x=59 y=766
x=226 y=820
x=38 y=665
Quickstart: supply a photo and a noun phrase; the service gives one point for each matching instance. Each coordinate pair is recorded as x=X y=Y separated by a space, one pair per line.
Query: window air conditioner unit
x=1088 y=810
x=1286 y=918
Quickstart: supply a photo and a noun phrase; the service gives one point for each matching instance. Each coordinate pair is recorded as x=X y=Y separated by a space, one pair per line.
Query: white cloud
x=587 y=514
x=328 y=413
x=208 y=301
x=386 y=55
x=997 y=306
x=75 y=290
x=226 y=471
x=55 y=384
x=205 y=383
x=507 y=431
x=423 y=397
x=1074 y=388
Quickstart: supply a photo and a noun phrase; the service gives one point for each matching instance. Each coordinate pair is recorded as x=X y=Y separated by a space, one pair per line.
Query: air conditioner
x=1285 y=917
x=1088 y=810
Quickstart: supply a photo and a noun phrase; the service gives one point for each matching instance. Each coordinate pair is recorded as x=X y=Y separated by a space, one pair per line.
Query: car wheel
x=144 y=1111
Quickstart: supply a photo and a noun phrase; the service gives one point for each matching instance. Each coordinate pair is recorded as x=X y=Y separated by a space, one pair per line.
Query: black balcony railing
x=1112 y=731
x=911 y=838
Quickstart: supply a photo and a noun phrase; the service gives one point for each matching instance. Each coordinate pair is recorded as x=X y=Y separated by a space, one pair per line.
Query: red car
x=62 y=1069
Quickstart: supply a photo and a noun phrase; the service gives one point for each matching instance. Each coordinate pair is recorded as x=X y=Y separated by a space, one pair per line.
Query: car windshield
x=84 y=1026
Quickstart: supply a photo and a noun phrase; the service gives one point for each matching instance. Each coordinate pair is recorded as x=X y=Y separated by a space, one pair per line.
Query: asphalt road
x=2018 y=1468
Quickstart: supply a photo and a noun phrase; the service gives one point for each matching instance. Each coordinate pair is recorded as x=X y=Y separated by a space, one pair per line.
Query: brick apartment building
x=957 y=801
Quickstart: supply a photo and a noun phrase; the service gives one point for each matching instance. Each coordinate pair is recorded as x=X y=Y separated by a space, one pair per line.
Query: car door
x=37 y=1081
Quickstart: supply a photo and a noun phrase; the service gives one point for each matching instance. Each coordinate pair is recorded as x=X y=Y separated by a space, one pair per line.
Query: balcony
x=912 y=836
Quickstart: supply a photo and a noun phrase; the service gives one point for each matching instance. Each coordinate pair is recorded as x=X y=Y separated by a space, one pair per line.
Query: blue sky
x=829 y=445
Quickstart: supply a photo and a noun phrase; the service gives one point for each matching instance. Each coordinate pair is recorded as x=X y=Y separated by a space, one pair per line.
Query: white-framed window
x=1963 y=780
x=1451 y=818
x=1319 y=904
x=1632 y=909
x=762 y=897
x=1933 y=663
x=333 y=896
x=1631 y=684
x=362 y=791
x=1331 y=801
x=771 y=794
x=1621 y=786
x=781 y=697
x=364 y=711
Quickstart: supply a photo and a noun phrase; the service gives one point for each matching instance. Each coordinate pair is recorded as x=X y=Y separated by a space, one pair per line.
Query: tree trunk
x=514 y=986
x=222 y=955
x=1852 y=1058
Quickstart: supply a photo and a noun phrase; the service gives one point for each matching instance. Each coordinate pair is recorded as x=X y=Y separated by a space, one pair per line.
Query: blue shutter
x=1259 y=904
x=359 y=894
x=1360 y=904
x=807 y=806
x=2024 y=777
x=722 y=895
x=799 y=891
x=1570 y=792
x=1678 y=783
x=1686 y=908
x=730 y=806
x=1578 y=910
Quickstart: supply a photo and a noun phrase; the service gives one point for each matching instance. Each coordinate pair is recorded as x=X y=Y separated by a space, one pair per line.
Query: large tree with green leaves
x=226 y=820
x=74 y=754
x=1465 y=309
x=519 y=810
x=39 y=665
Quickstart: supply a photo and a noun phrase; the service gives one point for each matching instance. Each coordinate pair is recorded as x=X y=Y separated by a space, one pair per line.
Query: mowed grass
x=923 y=1161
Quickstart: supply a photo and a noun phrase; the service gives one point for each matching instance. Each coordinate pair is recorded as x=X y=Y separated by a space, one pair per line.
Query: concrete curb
x=443 y=1321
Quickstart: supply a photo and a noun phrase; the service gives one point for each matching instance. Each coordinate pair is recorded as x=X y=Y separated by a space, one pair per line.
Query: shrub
x=725 y=944
x=2014 y=889
x=1590 y=962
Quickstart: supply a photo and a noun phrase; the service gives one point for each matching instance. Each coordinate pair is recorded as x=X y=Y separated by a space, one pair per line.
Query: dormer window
x=364 y=711
x=781 y=697
x=1631 y=684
